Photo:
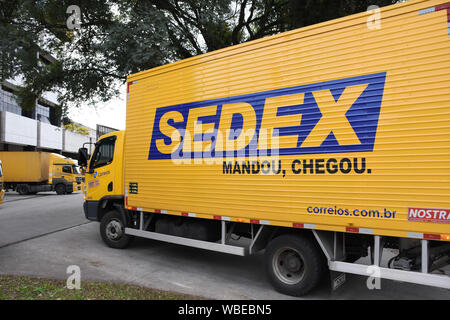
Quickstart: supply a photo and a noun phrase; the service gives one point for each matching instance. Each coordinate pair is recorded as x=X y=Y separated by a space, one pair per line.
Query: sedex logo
x=328 y=117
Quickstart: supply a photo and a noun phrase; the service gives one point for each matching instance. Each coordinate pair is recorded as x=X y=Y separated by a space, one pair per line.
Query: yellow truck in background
x=2 y=191
x=29 y=172
x=321 y=146
x=77 y=175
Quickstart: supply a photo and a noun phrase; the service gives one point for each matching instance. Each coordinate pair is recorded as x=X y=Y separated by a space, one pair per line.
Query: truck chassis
x=286 y=263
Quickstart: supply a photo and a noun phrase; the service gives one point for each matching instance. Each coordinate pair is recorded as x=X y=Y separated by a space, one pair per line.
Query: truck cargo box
x=340 y=126
x=22 y=166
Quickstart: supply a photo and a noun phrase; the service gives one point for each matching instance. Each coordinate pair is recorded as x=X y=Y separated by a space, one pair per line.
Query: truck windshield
x=75 y=169
x=1 y=172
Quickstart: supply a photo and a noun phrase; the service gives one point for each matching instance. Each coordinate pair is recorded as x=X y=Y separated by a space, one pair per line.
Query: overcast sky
x=111 y=114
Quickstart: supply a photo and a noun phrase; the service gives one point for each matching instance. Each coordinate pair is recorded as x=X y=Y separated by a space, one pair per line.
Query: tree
x=119 y=37
x=75 y=127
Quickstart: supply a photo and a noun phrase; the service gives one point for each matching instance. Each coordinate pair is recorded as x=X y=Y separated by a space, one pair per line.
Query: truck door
x=67 y=173
x=59 y=171
x=100 y=174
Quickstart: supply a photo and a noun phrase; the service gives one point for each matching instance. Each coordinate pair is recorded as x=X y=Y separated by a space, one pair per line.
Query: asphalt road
x=44 y=234
x=25 y=217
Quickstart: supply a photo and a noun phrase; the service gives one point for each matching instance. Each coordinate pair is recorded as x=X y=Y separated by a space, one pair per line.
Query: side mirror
x=83 y=157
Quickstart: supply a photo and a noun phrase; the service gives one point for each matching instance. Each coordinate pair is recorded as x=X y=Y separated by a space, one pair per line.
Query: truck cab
x=65 y=169
x=104 y=175
x=77 y=177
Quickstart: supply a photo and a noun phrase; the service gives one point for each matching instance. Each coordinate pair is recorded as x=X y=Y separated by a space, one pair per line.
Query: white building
x=39 y=129
x=35 y=130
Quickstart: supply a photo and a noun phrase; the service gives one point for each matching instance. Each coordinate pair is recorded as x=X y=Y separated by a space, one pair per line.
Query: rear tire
x=112 y=231
x=22 y=189
x=60 y=189
x=294 y=264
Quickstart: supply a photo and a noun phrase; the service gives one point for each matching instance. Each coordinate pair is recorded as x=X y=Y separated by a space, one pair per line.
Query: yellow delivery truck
x=320 y=145
x=29 y=172
x=75 y=173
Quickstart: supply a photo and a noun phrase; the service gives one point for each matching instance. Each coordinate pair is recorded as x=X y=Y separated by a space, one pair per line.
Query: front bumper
x=90 y=209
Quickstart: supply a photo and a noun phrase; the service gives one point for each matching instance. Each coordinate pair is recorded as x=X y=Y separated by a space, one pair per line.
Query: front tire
x=294 y=264
x=60 y=189
x=112 y=231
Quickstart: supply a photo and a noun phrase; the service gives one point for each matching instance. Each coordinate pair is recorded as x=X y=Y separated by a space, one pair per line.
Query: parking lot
x=43 y=234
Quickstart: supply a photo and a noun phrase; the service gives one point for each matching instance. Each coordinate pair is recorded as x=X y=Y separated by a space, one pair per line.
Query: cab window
x=104 y=153
x=1 y=172
x=66 y=169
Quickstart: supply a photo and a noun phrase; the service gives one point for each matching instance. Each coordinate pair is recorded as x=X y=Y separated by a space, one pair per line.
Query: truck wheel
x=60 y=189
x=22 y=189
x=112 y=231
x=294 y=264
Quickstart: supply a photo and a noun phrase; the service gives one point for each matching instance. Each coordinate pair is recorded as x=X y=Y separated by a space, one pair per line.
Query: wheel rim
x=288 y=265
x=114 y=230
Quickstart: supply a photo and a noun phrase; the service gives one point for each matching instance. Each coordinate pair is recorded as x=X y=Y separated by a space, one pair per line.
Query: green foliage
x=75 y=127
x=119 y=37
